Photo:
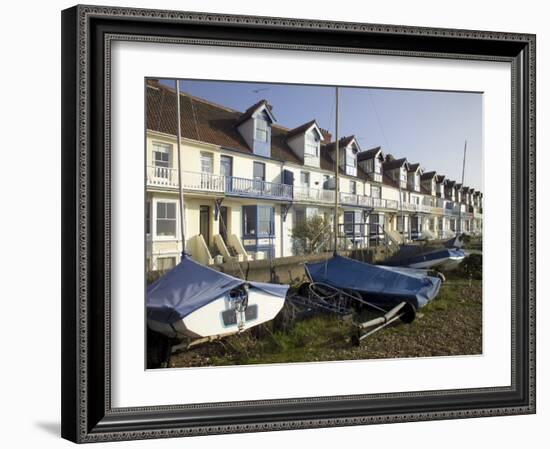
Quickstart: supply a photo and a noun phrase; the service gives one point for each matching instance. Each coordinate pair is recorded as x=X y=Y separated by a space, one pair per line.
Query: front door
x=223 y=223
x=204 y=225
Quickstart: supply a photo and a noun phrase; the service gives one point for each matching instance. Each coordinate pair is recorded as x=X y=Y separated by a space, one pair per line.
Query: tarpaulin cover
x=379 y=285
x=445 y=253
x=190 y=285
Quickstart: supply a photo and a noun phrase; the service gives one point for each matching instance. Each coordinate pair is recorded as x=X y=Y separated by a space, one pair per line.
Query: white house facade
x=247 y=181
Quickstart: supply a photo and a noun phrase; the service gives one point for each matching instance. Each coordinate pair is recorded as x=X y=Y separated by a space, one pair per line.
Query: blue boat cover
x=190 y=285
x=444 y=253
x=380 y=285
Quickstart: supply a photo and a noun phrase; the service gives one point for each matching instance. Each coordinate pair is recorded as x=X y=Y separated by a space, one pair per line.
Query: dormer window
x=254 y=125
x=261 y=133
x=312 y=144
x=351 y=162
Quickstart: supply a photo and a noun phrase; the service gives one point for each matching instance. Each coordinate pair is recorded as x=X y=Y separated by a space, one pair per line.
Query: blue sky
x=429 y=127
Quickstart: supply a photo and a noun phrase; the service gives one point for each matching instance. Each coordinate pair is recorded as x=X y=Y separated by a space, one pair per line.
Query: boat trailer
x=318 y=297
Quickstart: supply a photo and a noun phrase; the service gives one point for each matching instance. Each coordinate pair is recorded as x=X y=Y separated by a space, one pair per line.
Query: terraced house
x=248 y=180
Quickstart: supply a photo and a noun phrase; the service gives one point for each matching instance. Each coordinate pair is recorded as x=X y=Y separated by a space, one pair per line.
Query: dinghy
x=378 y=285
x=445 y=259
x=195 y=301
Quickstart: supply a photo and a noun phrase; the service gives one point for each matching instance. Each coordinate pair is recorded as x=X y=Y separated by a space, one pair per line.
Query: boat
x=443 y=258
x=194 y=301
x=381 y=286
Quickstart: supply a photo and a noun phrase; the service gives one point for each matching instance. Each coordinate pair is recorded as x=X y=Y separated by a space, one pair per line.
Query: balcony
x=164 y=177
x=411 y=207
x=256 y=188
x=191 y=181
x=305 y=193
x=209 y=182
x=351 y=199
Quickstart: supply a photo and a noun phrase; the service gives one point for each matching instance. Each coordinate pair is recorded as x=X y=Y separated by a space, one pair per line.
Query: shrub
x=311 y=235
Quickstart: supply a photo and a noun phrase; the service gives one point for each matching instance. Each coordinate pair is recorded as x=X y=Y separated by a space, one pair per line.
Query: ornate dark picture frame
x=87 y=34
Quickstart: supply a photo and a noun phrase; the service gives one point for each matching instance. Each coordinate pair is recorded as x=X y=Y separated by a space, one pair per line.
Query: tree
x=311 y=235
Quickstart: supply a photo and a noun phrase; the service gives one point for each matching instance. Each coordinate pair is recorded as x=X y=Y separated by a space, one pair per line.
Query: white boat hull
x=445 y=263
x=215 y=318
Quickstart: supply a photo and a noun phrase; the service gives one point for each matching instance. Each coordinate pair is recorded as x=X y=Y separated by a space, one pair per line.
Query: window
x=377 y=165
x=351 y=160
x=349 y=222
x=312 y=144
x=375 y=191
x=161 y=159
x=401 y=223
x=403 y=174
x=258 y=220
x=304 y=178
x=207 y=162
x=165 y=263
x=259 y=171
x=353 y=187
x=261 y=130
x=166 y=219
x=265 y=220
x=249 y=220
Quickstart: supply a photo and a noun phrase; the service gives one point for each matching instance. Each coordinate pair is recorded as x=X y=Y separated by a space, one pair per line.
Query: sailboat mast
x=336 y=171
x=462 y=186
x=178 y=140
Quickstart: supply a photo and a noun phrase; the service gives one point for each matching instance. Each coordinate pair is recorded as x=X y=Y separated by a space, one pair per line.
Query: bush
x=472 y=266
x=311 y=235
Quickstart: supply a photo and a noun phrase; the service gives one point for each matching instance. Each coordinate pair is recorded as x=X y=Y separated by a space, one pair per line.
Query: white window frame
x=154 y=219
x=207 y=155
x=311 y=142
x=162 y=148
x=307 y=176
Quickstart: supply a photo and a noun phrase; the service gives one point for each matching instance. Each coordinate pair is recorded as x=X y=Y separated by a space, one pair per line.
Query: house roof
x=252 y=109
x=394 y=163
x=208 y=122
x=303 y=128
x=342 y=143
x=368 y=154
x=327 y=163
x=440 y=178
x=428 y=175
x=205 y=121
x=413 y=167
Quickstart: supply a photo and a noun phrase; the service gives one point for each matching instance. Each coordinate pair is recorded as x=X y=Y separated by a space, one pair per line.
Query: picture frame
x=87 y=411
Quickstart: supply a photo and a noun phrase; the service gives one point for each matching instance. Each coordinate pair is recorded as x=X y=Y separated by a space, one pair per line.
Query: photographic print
x=310 y=223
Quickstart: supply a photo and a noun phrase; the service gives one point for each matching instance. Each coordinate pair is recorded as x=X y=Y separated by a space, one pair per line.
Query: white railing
x=305 y=193
x=162 y=176
x=348 y=198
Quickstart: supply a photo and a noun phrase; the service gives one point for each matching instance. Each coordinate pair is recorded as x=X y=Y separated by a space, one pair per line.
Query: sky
x=429 y=127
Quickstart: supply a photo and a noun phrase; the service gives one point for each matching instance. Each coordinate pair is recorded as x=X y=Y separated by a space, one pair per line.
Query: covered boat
x=194 y=301
x=443 y=258
x=379 y=285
